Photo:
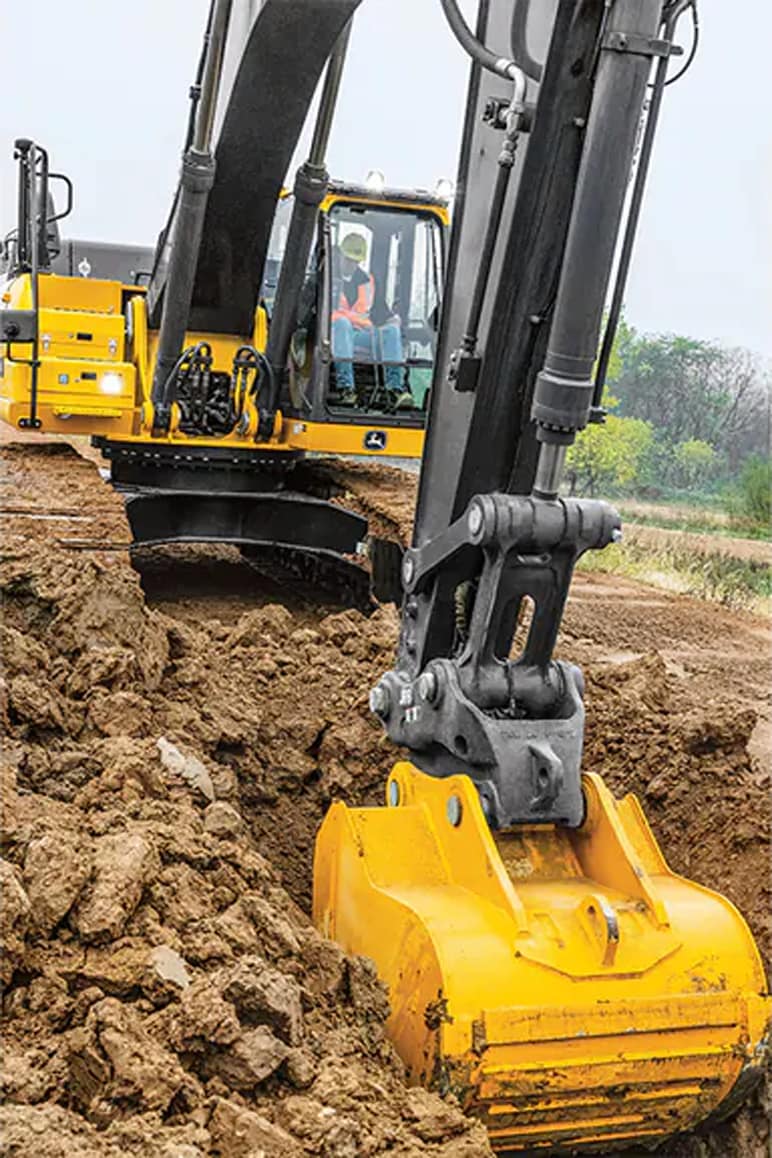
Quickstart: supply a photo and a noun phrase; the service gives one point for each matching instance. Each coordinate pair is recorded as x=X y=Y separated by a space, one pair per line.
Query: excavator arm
x=543 y=962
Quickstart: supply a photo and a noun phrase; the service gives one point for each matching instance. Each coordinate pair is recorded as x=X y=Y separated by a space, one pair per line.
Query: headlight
x=111 y=384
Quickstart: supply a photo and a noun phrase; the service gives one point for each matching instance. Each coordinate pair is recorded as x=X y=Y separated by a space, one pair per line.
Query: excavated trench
x=176 y=730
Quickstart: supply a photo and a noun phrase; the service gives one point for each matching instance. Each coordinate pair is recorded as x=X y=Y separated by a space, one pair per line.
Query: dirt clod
x=123 y=864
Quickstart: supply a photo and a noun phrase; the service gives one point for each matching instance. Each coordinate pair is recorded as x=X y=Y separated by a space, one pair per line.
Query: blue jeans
x=371 y=344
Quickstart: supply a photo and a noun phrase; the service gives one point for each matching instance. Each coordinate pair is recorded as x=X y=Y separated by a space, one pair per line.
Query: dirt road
x=176 y=732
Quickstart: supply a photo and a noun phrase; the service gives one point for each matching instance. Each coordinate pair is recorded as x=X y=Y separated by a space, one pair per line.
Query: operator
x=353 y=331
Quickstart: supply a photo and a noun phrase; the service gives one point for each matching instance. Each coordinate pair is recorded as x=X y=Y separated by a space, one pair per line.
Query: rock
x=28 y=1076
x=181 y=895
x=261 y=994
x=169 y=966
x=367 y=992
x=275 y=933
x=307 y=1118
x=188 y=768
x=341 y=626
x=249 y=1061
x=225 y=782
x=300 y=1068
x=325 y=966
x=117 y=970
x=102 y=665
x=48 y=997
x=124 y=863
x=21 y=654
x=222 y=820
x=343 y=1139
x=241 y=1133
x=235 y=927
x=433 y=1119
x=254 y=626
x=50 y=1132
x=14 y=919
x=114 y=1059
x=56 y=868
x=32 y=702
x=203 y=1019
x=9 y=803
x=119 y=713
x=126 y=759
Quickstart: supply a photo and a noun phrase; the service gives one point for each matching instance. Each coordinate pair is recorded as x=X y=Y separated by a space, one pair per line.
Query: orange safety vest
x=358 y=313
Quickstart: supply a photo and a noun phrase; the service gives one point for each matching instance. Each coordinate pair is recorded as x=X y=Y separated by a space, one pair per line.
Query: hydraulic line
x=519 y=41
x=506 y=161
x=310 y=189
x=196 y=181
x=195 y=89
x=501 y=65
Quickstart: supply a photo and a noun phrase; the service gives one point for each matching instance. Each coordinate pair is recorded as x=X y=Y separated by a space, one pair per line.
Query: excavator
x=543 y=962
x=210 y=370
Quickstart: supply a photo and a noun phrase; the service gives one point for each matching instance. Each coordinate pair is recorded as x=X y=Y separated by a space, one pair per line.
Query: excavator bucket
x=570 y=989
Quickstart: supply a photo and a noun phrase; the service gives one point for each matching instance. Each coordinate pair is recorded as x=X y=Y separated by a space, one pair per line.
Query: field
x=176 y=730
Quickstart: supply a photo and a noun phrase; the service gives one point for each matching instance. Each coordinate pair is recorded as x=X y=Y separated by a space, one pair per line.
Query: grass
x=680 y=516
x=735 y=583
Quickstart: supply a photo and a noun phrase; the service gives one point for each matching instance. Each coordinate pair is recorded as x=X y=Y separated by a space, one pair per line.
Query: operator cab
x=365 y=342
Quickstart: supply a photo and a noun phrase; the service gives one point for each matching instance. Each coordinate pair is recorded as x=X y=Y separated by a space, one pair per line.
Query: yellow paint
x=82 y=328
x=507 y=982
x=347 y=438
x=441 y=212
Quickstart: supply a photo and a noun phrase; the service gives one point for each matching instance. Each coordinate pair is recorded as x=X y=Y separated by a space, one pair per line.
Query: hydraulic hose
x=196 y=181
x=488 y=60
x=519 y=41
x=310 y=189
x=195 y=88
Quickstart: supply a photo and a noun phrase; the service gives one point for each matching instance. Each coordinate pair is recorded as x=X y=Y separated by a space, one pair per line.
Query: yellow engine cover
x=572 y=991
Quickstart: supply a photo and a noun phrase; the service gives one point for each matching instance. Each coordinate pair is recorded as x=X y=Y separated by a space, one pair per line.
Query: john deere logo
x=375 y=440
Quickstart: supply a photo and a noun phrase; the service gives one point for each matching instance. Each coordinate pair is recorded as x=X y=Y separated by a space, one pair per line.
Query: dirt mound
x=169 y=759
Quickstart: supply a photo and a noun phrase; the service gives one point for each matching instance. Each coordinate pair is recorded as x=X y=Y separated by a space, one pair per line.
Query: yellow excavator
x=543 y=962
x=209 y=370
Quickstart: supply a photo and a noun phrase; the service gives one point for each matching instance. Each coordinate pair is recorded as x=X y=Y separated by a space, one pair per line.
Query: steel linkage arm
x=515 y=725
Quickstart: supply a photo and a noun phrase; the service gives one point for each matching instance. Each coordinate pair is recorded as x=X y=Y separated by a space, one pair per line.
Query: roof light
x=375 y=181
x=444 y=189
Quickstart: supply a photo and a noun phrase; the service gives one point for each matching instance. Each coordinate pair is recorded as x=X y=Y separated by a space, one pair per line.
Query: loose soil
x=176 y=730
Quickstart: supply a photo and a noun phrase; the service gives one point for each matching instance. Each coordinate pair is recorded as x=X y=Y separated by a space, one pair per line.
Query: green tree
x=608 y=455
x=694 y=460
x=692 y=390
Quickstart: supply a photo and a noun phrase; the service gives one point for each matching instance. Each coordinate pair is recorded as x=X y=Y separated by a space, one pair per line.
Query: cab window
x=385 y=283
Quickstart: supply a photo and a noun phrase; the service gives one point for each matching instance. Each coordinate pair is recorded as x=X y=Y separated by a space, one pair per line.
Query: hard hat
x=354 y=247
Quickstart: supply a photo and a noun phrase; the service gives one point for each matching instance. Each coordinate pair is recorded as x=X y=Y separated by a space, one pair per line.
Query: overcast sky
x=110 y=98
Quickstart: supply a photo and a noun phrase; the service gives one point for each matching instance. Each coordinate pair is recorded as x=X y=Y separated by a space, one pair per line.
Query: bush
x=751 y=502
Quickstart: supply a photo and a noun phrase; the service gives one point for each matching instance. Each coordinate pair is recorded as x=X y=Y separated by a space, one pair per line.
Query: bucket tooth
x=570 y=989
